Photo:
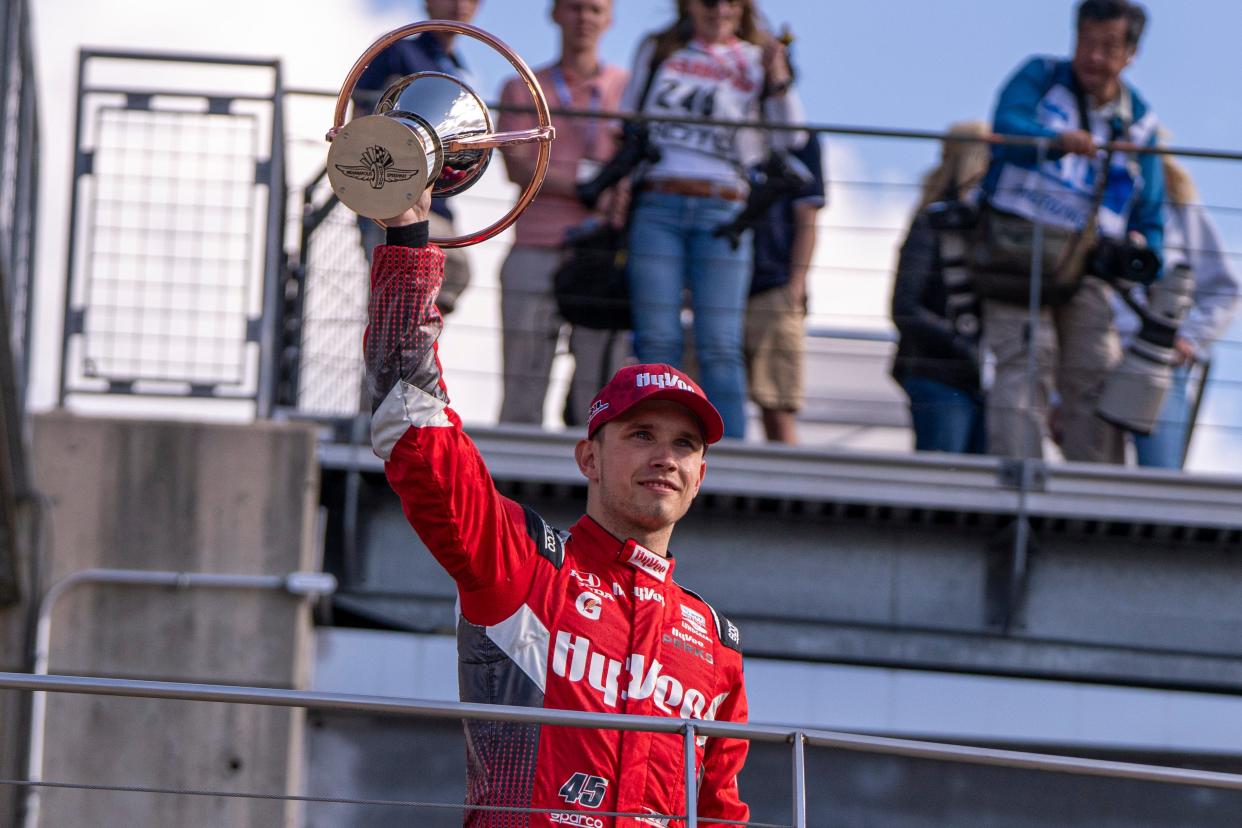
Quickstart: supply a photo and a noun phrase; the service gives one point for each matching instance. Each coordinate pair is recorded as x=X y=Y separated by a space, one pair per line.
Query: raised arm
x=447 y=495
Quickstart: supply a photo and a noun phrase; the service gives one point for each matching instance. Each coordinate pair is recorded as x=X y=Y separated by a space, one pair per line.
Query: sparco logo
x=585 y=820
x=377 y=167
x=665 y=380
x=572 y=659
x=648 y=561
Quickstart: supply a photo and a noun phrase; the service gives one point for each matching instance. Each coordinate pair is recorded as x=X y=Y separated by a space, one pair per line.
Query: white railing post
x=692 y=786
x=799 y=779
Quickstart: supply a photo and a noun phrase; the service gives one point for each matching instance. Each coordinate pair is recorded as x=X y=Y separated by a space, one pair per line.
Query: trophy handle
x=542 y=135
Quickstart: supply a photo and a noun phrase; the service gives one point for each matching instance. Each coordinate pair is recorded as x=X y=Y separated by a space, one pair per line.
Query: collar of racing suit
x=598 y=539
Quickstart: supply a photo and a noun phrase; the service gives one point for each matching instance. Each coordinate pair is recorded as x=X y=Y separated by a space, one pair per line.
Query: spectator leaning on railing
x=934 y=304
x=1190 y=238
x=714 y=62
x=1079 y=103
x=530 y=321
x=427 y=52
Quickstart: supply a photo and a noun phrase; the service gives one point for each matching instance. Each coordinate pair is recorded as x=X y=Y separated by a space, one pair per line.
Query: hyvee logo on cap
x=637 y=383
x=665 y=380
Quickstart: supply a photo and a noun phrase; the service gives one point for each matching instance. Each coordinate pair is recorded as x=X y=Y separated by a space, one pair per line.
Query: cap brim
x=708 y=416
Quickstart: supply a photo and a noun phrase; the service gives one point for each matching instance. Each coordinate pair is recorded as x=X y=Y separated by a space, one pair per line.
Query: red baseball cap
x=635 y=383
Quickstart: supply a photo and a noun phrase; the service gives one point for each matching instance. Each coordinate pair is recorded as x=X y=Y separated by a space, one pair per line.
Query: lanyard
x=565 y=95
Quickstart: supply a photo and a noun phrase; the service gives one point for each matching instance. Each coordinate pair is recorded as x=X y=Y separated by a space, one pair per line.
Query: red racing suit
x=577 y=620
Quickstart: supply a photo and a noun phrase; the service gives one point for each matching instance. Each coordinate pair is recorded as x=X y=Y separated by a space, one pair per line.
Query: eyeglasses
x=711 y=4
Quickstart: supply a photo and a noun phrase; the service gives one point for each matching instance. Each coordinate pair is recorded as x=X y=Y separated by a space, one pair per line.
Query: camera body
x=636 y=148
x=1123 y=264
x=782 y=175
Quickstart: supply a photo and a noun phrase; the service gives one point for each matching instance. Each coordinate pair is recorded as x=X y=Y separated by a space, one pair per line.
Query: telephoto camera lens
x=1134 y=393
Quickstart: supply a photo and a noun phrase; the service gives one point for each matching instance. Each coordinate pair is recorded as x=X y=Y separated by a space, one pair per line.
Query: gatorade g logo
x=664 y=380
x=589 y=606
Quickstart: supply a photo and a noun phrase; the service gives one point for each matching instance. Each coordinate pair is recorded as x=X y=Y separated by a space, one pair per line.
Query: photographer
x=714 y=62
x=1081 y=103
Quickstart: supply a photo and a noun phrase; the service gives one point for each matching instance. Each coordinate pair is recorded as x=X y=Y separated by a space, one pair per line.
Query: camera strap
x=1075 y=255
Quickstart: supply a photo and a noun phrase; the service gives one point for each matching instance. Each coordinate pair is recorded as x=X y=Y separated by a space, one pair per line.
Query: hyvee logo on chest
x=575 y=658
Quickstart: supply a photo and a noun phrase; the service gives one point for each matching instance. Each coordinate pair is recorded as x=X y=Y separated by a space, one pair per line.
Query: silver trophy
x=429 y=130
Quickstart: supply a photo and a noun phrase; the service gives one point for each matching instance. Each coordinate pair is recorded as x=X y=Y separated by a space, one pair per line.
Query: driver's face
x=647 y=466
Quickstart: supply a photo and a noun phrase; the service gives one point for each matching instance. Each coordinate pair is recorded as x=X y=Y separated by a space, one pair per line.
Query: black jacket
x=929 y=347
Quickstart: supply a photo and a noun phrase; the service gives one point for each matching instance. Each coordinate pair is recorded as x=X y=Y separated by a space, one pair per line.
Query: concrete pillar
x=185 y=497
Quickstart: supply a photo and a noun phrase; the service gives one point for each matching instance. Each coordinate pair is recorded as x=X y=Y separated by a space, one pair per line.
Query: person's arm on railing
x=1015 y=114
x=446 y=492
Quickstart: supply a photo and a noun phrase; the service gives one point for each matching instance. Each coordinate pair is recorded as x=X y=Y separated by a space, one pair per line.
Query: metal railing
x=325 y=366
x=20 y=144
x=309 y=585
x=797 y=738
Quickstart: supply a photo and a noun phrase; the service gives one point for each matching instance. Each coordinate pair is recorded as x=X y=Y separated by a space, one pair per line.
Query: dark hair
x=1134 y=15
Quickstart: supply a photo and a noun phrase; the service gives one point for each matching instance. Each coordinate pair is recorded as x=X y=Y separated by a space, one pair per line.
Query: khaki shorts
x=775 y=350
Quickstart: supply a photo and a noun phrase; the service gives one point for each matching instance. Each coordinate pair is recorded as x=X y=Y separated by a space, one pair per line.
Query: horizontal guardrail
x=798 y=738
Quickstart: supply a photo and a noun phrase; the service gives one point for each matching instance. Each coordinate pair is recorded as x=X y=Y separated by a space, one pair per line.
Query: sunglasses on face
x=711 y=4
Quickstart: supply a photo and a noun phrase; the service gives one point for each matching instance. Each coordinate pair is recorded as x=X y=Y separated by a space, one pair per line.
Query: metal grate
x=175 y=247
x=334 y=307
x=169 y=260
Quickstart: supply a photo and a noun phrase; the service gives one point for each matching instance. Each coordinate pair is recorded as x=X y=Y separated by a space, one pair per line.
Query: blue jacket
x=1039 y=100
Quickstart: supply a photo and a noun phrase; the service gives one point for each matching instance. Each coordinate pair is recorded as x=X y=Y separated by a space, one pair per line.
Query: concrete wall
x=184 y=497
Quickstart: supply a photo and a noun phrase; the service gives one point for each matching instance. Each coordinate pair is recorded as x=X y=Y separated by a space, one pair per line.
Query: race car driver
x=587 y=619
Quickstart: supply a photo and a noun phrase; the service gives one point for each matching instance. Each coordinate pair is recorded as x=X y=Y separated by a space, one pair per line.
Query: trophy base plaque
x=378 y=164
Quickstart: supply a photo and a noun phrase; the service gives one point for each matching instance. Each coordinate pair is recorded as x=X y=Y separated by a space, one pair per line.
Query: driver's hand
x=414 y=215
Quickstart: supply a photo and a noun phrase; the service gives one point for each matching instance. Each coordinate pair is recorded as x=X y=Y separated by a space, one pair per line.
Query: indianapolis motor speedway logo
x=377 y=168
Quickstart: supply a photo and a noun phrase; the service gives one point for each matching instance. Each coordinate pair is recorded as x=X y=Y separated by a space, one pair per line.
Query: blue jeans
x=672 y=249
x=945 y=418
x=1163 y=448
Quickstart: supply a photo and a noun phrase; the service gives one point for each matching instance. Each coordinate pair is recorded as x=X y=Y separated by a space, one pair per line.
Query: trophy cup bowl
x=429 y=130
